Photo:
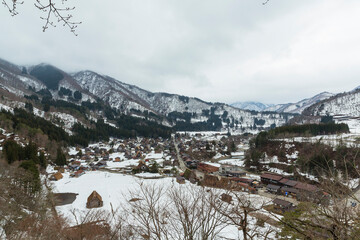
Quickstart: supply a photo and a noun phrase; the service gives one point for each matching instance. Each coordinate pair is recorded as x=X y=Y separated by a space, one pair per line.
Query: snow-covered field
x=233 y=161
x=354 y=125
x=349 y=139
x=114 y=189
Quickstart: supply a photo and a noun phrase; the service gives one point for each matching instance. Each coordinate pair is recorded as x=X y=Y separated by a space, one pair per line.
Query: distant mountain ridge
x=297 y=107
x=180 y=112
x=252 y=106
x=132 y=99
x=346 y=104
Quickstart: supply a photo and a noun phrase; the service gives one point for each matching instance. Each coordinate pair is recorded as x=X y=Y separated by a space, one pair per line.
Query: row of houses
x=135 y=148
x=281 y=185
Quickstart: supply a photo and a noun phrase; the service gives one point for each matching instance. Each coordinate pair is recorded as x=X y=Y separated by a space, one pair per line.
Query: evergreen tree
x=30 y=152
x=33 y=180
x=46 y=107
x=154 y=168
x=77 y=95
x=24 y=71
x=42 y=160
x=29 y=106
x=60 y=158
x=232 y=146
x=12 y=150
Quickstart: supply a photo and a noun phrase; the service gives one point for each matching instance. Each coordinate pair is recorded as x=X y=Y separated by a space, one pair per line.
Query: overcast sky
x=216 y=50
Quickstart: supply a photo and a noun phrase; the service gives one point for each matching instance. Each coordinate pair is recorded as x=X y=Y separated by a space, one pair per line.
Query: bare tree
x=195 y=212
x=246 y=213
x=54 y=11
x=90 y=224
x=336 y=218
x=148 y=211
x=177 y=212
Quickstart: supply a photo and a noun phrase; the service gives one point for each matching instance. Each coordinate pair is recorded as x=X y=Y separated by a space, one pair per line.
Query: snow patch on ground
x=233 y=161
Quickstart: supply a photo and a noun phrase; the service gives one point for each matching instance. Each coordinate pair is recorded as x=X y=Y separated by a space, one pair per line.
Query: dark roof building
x=272 y=188
x=283 y=205
x=267 y=178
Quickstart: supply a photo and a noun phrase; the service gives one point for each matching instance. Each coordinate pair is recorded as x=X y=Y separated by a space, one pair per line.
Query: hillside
x=252 y=106
x=49 y=84
x=297 y=107
x=178 y=110
x=345 y=104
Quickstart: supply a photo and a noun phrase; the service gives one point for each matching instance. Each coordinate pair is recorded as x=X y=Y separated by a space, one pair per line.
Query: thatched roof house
x=56 y=176
x=94 y=200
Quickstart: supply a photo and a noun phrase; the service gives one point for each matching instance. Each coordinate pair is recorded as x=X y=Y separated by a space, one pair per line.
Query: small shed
x=94 y=200
x=226 y=198
x=180 y=179
x=59 y=169
x=56 y=176
x=142 y=166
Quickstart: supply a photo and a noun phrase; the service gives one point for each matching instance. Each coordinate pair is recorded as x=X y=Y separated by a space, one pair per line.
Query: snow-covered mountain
x=13 y=80
x=21 y=80
x=346 y=104
x=297 y=107
x=252 y=106
x=300 y=106
x=167 y=109
x=128 y=98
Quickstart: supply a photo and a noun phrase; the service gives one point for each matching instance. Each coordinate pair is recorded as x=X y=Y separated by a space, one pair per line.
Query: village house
x=142 y=166
x=249 y=181
x=289 y=191
x=226 y=198
x=77 y=173
x=240 y=186
x=94 y=200
x=225 y=168
x=59 y=169
x=282 y=205
x=271 y=188
x=56 y=176
x=269 y=178
x=288 y=183
x=308 y=192
x=180 y=179
x=239 y=173
x=207 y=168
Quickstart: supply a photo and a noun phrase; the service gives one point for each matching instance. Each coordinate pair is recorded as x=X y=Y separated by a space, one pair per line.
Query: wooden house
x=271 y=188
x=56 y=176
x=226 y=198
x=289 y=191
x=180 y=179
x=282 y=205
x=226 y=168
x=239 y=173
x=308 y=192
x=142 y=166
x=59 y=169
x=288 y=182
x=77 y=173
x=270 y=178
x=207 y=168
x=94 y=200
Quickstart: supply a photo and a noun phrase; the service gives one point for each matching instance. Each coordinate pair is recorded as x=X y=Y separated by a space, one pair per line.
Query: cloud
x=223 y=51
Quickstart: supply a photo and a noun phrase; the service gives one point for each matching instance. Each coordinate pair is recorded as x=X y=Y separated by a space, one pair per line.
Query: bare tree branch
x=52 y=13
